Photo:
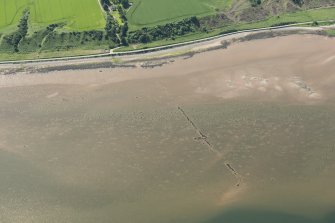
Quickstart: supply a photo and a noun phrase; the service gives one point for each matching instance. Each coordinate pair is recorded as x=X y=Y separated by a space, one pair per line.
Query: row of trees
x=105 y=4
x=166 y=31
x=112 y=28
x=125 y=3
x=15 y=38
x=255 y=3
x=114 y=31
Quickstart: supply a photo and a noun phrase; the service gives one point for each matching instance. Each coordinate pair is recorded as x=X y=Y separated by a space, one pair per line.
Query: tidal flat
x=237 y=135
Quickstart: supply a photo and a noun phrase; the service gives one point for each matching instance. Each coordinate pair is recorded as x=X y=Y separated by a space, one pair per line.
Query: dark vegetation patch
x=81 y=66
x=255 y=3
x=214 y=21
x=254 y=14
x=11 y=42
x=170 y=30
x=266 y=35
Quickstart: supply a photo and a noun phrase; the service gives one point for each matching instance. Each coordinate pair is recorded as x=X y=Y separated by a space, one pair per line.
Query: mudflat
x=243 y=134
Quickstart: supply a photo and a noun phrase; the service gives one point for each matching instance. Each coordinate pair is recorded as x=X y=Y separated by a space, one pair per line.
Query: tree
x=298 y=2
x=144 y=38
x=125 y=3
x=124 y=41
x=105 y=4
x=255 y=3
x=111 y=29
x=15 y=38
x=124 y=29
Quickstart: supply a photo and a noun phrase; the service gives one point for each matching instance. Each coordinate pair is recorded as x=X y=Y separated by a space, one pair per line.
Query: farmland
x=78 y=15
x=148 y=13
x=152 y=12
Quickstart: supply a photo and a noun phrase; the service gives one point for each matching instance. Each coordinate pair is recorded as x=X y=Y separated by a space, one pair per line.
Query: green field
x=152 y=12
x=295 y=17
x=77 y=14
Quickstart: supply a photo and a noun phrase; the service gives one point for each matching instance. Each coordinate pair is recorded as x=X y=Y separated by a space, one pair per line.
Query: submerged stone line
x=202 y=137
x=230 y=167
x=236 y=174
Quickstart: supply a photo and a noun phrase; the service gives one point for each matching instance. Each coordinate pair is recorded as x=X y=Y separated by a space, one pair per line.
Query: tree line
x=167 y=31
x=255 y=3
x=16 y=37
x=107 y=3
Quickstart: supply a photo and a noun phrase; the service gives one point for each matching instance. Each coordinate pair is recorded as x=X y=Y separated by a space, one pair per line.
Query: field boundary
x=294 y=26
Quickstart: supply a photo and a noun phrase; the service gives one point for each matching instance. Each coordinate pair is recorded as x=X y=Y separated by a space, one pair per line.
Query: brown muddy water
x=242 y=135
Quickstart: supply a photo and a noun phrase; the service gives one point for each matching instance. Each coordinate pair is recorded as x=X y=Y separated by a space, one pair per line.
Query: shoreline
x=218 y=56
x=294 y=28
x=155 y=58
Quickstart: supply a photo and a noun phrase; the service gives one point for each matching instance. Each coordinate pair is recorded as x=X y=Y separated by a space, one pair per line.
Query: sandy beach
x=242 y=131
x=277 y=66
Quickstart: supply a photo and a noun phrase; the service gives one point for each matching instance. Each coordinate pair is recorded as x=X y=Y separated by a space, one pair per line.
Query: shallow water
x=145 y=166
x=172 y=148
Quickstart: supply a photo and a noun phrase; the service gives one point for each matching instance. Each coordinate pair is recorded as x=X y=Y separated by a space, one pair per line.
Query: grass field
x=296 y=17
x=77 y=14
x=153 y=12
x=144 y=13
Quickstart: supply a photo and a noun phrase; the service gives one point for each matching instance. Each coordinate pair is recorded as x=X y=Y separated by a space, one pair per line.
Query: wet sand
x=244 y=134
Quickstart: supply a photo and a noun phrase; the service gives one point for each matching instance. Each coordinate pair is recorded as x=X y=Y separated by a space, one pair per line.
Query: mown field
x=78 y=15
x=153 y=12
x=148 y=13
